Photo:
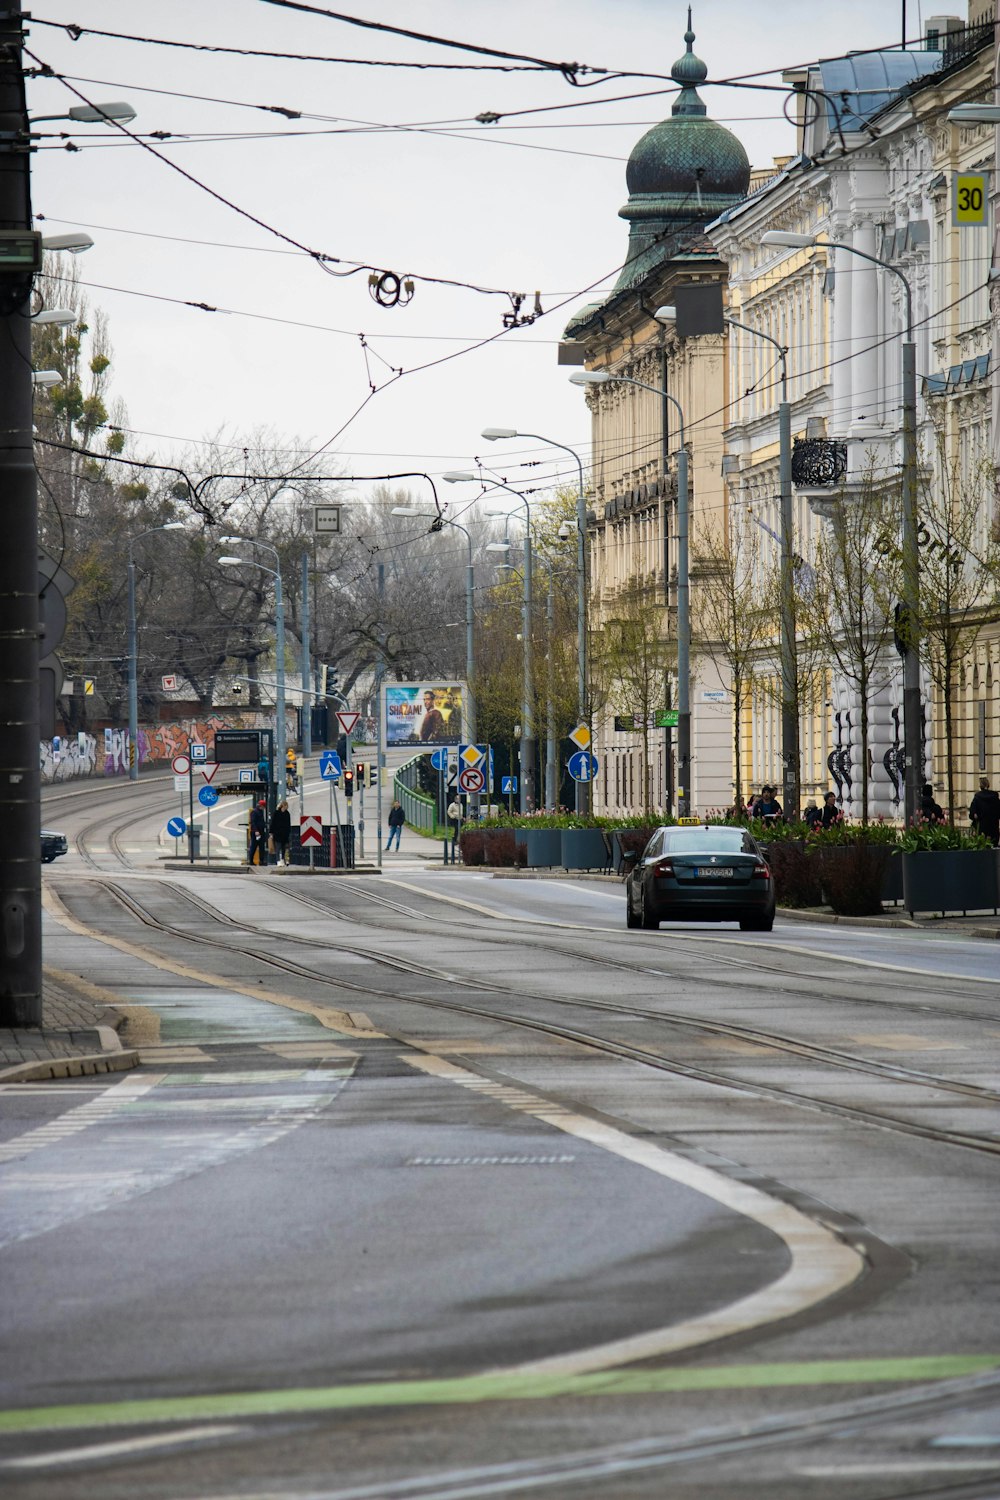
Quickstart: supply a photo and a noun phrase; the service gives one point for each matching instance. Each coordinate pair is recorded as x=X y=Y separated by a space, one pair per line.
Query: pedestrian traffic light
x=348 y=783
x=373 y=774
x=360 y=769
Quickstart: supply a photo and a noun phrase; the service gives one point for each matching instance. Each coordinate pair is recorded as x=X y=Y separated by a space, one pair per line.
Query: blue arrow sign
x=177 y=827
x=439 y=760
x=330 y=767
x=582 y=766
x=508 y=783
x=208 y=796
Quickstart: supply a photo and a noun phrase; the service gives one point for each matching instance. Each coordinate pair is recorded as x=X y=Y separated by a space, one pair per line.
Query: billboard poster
x=423 y=713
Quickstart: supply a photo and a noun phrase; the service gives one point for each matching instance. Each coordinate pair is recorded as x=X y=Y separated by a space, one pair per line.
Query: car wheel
x=648 y=920
x=47 y=859
x=631 y=920
x=757 y=924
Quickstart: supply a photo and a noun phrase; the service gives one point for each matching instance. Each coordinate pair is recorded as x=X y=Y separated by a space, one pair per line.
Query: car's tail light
x=761 y=872
x=664 y=867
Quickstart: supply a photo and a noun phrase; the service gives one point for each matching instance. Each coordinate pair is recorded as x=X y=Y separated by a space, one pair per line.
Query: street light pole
x=133 y=652
x=789 y=652
x=279 y=629
x=912 y=710
x=492 y=434
x=602 y=377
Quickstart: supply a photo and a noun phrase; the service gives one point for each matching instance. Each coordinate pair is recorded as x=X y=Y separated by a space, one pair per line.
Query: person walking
x=258 y=834
x=984 y=812
x=396 y=820
x=831 y=813
x=455 y=817
x=281 y=832
x=930 y=811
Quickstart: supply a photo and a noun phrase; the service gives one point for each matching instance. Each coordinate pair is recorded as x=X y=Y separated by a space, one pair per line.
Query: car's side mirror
x=629 y=857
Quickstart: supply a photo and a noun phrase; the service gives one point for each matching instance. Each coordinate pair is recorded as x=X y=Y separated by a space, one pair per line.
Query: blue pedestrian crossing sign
x=177 y=828
x=582 y=766
x=208 y=796
x=508 y=784
x=329 y=766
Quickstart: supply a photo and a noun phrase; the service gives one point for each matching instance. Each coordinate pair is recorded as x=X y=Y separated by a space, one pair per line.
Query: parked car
x=700 y=874
x=53 y=844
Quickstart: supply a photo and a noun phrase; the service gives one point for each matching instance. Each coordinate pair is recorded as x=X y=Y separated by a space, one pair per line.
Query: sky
x=388 y=168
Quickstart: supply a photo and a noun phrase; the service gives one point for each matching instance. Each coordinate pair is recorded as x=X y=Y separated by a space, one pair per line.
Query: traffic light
x=360 y=768
x=348 y=784
x=373 y=774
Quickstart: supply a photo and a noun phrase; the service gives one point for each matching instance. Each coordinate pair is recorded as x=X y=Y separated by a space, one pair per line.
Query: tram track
x=838 y=1062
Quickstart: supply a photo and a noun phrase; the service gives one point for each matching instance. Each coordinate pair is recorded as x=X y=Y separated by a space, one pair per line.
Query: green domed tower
x=683 y=173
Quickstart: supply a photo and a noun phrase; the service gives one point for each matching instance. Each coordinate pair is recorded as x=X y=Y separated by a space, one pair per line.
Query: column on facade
x=840 y=345
x=864 y=348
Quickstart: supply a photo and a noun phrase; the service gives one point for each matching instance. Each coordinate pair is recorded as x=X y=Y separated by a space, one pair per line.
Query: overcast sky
x=528 y=204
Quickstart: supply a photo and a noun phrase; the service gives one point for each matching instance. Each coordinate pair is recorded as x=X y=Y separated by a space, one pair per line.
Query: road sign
x=310 y=830
x=198 y=752
x=180 y=765
x=970 y=203
x=582 y=766
x=470 y=756
x=439 y=760
x=330 y=767
x=169 y=683
x=88 y=687
x=326 y=520
x=347 y=720
x=580 y=736
x=472 y=779
x=668 y=718
x=208 y=771
x=208 y=796
x=177 y=828
x=508 y=784
x=182 y=785
x=246 y=778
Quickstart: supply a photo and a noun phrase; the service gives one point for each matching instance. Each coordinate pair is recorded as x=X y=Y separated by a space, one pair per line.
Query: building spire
x=689 y=71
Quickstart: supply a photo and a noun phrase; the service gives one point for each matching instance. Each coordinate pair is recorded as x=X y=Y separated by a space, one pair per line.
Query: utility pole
x=20 y=780
x=306 y=694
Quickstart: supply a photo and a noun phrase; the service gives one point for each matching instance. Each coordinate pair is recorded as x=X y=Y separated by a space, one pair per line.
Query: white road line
x=821 y=1264
x=109 y=1102
x=126 y=1445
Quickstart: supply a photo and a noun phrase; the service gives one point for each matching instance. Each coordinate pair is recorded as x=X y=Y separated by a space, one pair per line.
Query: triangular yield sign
x=208 y=769
x=347 y=721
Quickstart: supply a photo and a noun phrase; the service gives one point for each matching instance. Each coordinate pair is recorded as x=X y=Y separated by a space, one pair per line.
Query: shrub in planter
x=489 y=846
x=796 y=877
x=852 y=874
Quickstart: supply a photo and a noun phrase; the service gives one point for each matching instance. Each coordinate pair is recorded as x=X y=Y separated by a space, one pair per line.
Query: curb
x=71 y=1067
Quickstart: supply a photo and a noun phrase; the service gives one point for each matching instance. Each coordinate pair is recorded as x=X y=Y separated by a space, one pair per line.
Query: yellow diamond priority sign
x=581 y=736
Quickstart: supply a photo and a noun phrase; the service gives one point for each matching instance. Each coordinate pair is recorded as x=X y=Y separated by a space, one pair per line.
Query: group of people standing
x=768 y=809
x=269 y=838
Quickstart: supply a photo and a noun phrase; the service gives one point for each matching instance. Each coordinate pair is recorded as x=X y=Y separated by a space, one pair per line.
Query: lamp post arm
x=781 y=348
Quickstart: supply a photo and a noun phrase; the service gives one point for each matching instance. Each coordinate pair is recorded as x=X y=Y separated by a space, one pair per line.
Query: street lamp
x=279 y=625
x=974 y=114
x=527 y=792
x=602 y=377
x=494 y=434
x=133 y=689
x=911 y=557
x=470 y=581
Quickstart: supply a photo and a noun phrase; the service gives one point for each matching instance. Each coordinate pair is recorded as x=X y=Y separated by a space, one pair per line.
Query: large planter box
x=585 y=849
x=543 y=847
x=950 y=880
x=892 y=880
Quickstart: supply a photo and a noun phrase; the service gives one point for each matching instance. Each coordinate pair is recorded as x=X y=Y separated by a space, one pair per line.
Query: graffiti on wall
x=64 y=759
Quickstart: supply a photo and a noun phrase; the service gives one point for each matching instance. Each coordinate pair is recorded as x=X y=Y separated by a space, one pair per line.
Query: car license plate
x=715 y=872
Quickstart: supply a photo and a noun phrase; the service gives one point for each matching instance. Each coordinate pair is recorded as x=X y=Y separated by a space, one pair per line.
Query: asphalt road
x=437 y=1185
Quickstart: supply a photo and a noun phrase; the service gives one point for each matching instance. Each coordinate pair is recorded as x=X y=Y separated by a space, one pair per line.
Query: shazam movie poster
x=423 y=713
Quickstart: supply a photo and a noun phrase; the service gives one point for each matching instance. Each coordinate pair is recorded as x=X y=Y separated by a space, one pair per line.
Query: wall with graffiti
x=108 y=755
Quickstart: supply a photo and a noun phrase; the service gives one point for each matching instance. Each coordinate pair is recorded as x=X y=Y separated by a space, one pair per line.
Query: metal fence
x=419 y=809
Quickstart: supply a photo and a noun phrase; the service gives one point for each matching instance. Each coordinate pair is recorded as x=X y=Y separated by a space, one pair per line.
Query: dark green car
x=700 y=873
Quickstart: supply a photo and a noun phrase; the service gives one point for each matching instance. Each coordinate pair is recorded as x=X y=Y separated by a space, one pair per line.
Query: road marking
x=110 y=1101
x=821 y=1264
x=126 y=1445
x=347 y=1023
x=474 y=1389
x=927 y=1468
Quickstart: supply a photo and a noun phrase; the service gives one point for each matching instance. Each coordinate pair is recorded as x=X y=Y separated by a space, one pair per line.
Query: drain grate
x=489 y=1161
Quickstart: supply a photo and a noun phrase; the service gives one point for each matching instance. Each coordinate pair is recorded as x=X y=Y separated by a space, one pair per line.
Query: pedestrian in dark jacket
x=768 y=806
x=930 y=811
x=281 y=832
x=258 y=834
x=812 y=816
x=831 y=812
x=984 y=812
x=396 y=820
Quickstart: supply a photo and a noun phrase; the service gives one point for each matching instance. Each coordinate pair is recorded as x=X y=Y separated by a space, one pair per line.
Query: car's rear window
x=707 y=841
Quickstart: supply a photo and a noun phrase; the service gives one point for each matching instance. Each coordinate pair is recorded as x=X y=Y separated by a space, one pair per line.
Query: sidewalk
x=78 y=1035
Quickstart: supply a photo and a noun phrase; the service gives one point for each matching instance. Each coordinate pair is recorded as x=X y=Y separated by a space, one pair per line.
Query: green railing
x=419 y=809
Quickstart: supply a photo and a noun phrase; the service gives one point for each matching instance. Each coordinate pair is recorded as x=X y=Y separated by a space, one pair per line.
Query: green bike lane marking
x=466 y=1390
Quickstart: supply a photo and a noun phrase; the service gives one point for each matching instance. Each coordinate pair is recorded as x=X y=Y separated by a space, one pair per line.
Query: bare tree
x=629 y=663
